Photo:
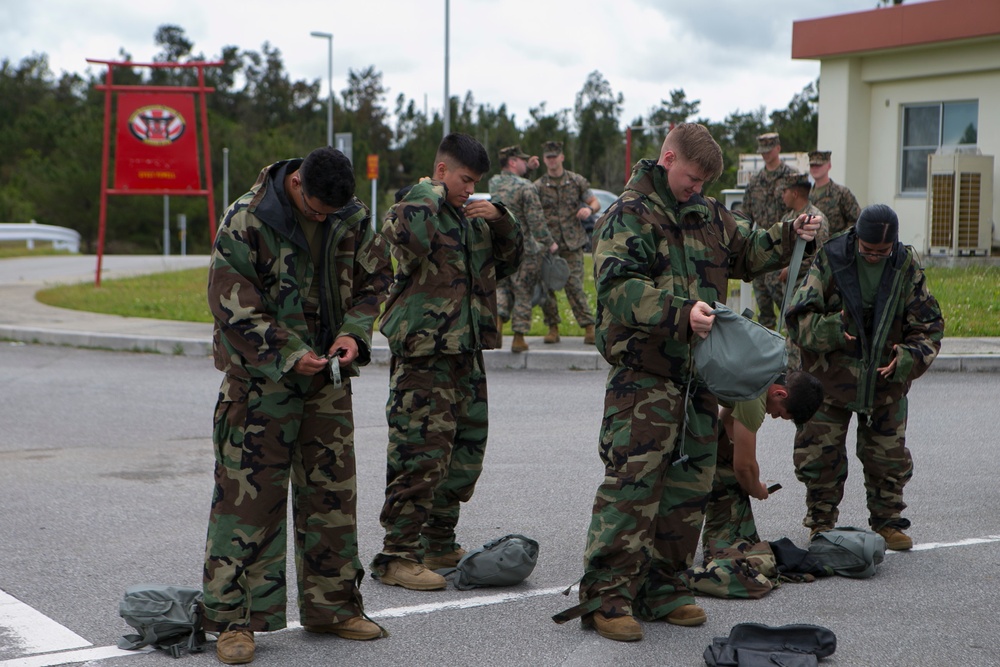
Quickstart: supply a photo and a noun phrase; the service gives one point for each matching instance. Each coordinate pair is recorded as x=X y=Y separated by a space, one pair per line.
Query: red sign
x=157 y=147
x=372 y=167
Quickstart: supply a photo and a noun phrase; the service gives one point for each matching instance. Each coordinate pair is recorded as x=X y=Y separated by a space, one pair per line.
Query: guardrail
x=62 y=238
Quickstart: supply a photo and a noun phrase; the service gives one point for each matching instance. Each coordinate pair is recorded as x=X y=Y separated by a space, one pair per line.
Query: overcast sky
x=729 y=54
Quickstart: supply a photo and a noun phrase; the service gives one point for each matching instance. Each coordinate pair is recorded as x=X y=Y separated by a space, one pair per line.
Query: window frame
x=905 y=149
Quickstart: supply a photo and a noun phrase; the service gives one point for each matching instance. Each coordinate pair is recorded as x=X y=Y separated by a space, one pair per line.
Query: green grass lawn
x=969 y=297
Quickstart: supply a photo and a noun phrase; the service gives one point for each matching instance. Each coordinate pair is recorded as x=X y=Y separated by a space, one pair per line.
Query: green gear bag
x=739 y=359
x=167 y=618
x=503 y=562
x=849 y=552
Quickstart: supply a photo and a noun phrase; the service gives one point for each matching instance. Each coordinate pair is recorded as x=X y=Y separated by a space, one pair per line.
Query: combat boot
x=588 y=334
x=618 y=628
x=414 y=576
x=499 y=332
x=235 y=647
x=896 y=539
x=687 y=615
x=553 y=335
x=519 y=344
x=444 y=560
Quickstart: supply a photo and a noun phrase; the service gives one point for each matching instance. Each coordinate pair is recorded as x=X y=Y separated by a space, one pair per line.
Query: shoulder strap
x=793 y=273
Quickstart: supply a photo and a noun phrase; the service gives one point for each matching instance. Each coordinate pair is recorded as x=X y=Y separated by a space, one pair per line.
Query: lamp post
x=329 y=71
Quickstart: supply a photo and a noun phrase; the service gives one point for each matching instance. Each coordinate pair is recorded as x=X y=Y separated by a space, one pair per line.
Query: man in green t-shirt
x=728 y=516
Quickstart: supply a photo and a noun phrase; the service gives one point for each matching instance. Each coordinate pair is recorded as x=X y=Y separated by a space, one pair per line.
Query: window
x=927 y=127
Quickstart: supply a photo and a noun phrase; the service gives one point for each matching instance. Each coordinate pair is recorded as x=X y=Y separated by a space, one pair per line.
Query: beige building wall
x=860 y=118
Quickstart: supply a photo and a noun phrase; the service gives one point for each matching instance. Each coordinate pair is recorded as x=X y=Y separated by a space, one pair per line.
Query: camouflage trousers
x=437 y=414
x=769 y=290
x=518 y=290
x=820 y=458
x=649 y=509
x=728 y=517
x=577 y=298
x=266 y=434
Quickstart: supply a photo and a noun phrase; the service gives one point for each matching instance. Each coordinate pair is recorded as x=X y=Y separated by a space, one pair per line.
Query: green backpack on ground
x=849 y=552
x=167 y=618
x=503 y=562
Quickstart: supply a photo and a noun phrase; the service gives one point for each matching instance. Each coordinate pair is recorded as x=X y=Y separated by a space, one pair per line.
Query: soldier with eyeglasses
x=867 y=327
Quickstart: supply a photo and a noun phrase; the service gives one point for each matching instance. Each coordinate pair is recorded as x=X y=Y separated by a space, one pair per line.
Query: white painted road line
x=33 y=631
x=28 y=633
x=85 y=655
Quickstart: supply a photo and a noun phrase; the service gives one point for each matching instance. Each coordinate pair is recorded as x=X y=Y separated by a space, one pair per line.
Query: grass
x=969 y=297
x=20 y=249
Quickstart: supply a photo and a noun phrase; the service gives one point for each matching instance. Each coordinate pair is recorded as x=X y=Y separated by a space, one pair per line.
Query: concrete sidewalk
x=24 y=319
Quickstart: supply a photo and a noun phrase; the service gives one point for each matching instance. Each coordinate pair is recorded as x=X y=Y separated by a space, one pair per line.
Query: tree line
x=51 y=131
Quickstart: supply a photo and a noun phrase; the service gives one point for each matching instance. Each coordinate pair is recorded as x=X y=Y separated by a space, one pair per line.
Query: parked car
x=606 y=199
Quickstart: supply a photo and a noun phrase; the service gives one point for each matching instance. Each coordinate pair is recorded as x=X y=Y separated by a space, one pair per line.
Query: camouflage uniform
x=729 y=516
x=521 y=198
x=838 y=204
x=763 y=205
x=908 y=318
x=440 y=315
x=561 y=198
x=654 y=258
x=272 y=304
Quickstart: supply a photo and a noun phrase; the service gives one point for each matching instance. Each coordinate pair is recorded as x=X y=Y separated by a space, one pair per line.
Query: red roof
x=894 y=27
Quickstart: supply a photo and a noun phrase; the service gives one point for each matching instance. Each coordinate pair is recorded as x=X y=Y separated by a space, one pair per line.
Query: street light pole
x=447 y=94
x=329 y=72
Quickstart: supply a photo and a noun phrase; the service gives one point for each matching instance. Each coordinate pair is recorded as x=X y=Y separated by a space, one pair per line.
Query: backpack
x=552 y=278
x=740 y=358
x=167 y=617
x=503 y=562
x=849 y=552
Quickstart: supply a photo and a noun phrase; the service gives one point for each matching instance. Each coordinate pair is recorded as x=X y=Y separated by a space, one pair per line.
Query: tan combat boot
x=444 y=560
x=588 y=335
x=519 y=344
x=618 y=628
x=235 y=647
x=896 y=539
x=687 y=615
x=414 y=576
x=553 y=335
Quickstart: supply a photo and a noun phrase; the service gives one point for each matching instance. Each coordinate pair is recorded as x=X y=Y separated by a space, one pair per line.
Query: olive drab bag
x=553 y=277
x=167 y=618
x=849 y=552
x=502 y=562
x=739 y=359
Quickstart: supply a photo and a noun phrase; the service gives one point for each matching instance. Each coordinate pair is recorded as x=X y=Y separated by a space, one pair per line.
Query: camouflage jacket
x=654 y=258
x=261 y=270
x=905 y=316
x=762 y=200
x=443 y=297
x=520 y=197
x=561 y=198
x=838 y=205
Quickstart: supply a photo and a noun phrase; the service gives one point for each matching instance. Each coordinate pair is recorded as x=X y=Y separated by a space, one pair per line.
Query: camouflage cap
x=550 y=148
x=513 y=151
x=801 y=180
x=766 y=142
x=818 y=157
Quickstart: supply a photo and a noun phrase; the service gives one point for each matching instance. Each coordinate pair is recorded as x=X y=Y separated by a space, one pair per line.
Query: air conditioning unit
x=959 y=204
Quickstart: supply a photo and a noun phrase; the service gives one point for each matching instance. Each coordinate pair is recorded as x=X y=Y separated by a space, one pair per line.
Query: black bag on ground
x=757 y=645
x=167 y=618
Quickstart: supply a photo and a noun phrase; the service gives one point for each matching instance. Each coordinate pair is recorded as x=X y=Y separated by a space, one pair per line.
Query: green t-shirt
x=751 y=413
x=869 y=276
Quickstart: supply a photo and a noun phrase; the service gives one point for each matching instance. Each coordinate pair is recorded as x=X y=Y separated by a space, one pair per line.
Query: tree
x=598 y=153
x=798 y=124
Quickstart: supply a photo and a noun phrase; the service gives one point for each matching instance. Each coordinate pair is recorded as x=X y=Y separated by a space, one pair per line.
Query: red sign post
x=156 y=142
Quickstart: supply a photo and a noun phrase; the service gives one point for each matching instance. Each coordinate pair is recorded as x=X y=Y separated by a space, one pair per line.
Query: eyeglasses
x=880 y=254
x=309 y=211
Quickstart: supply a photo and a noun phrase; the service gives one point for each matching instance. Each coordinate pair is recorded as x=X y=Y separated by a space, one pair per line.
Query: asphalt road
x=105 y=481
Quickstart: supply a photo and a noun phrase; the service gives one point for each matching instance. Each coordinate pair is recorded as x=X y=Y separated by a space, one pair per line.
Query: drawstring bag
x=503 y=562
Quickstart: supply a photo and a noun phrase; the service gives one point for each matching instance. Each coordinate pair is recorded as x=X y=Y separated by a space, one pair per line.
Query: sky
x=732 y=55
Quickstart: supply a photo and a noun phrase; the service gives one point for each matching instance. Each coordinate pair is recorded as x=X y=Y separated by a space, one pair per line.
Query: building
x=900 y=83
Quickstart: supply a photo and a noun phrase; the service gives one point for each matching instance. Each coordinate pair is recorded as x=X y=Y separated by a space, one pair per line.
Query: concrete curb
x=532 y=360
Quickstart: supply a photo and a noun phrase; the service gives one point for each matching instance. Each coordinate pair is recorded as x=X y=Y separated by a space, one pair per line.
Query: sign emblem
x=156 y=125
